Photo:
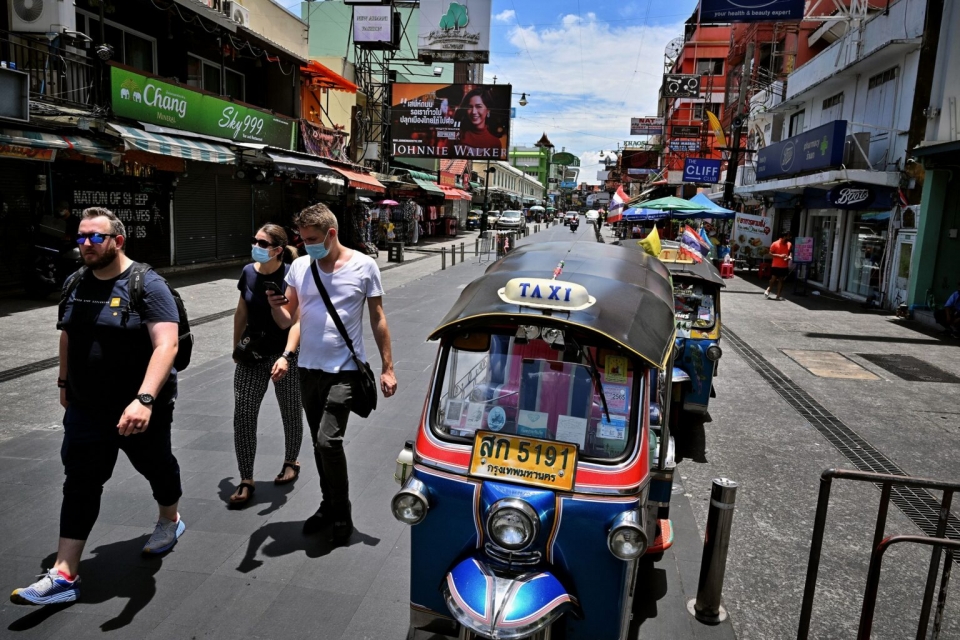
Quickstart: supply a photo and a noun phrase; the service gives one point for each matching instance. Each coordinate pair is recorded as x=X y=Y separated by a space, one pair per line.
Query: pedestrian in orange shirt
x=780 y=250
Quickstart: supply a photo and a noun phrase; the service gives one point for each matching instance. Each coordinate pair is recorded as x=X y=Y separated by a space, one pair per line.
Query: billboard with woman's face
x=466 y=121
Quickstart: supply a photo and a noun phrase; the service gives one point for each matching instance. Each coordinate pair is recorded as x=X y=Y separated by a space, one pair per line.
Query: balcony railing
x=57 y=73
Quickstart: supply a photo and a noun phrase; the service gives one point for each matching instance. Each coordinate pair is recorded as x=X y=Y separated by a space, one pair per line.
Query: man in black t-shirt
x=117 y=387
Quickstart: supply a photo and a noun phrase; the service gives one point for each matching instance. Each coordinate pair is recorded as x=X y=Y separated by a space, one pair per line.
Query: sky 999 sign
x=679 y=85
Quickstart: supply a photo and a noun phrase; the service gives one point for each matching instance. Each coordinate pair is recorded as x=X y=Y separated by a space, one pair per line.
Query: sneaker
x=165 y=535
x=51 y=588
x=766 y=294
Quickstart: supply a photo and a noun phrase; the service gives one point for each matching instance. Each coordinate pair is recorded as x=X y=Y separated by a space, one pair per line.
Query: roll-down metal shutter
x=195 y=214
x=17 y=195
x=234 y=217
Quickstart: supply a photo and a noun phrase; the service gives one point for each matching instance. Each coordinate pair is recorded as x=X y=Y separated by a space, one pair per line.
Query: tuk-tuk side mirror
x=476 y=342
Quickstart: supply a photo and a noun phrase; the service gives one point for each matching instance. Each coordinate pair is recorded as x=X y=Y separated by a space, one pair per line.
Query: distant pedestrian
x=949 y=316
x=330 y=384
x=780 y=252
x=270 y=353
x=118 y=388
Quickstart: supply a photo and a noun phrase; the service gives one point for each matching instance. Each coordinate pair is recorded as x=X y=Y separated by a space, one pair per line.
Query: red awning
x=320 y=76
x=452 y=193
x=360 y=180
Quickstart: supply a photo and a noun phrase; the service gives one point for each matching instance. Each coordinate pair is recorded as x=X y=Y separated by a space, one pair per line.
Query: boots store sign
x=147 y=99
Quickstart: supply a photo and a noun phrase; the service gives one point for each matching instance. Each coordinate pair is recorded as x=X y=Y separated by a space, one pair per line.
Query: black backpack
x=135 y=284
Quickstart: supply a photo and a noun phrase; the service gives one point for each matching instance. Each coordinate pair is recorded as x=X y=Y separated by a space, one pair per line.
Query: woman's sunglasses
x=263 y=244
x=94 y=238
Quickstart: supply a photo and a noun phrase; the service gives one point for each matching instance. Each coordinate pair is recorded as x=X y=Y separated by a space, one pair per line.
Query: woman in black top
x=270 y=353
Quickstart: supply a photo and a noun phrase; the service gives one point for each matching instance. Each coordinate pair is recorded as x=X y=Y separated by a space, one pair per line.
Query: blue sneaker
x=51 y=588
x=165 y=536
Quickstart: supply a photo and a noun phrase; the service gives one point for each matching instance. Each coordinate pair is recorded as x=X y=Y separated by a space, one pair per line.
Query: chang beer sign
x=147 y=99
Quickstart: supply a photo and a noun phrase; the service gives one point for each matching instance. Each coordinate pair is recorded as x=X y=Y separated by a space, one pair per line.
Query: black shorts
x=779 y=272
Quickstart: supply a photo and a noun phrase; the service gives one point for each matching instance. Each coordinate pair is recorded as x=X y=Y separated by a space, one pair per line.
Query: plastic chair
x=726 y=270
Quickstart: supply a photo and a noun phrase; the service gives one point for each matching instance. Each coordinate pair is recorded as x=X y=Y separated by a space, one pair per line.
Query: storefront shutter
x=234 y=217
x=17 y=195
x=267 y=204
x=195 y=215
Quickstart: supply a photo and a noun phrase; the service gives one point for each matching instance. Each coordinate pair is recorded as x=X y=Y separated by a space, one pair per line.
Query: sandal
x=246 y=495
x=296 y=473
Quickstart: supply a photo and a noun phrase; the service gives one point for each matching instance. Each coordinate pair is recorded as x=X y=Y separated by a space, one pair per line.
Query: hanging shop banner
x=455 y=31
x=27 y=153
x=147 y=99
x=467 y=121
x=803 y=250
x=648 y=126
x=323 y=142
x=819 y=148
x=372 y=24
x=679 y=85
x=751 y=237
x=684 y=131
x=701 y=170
x=726 y=11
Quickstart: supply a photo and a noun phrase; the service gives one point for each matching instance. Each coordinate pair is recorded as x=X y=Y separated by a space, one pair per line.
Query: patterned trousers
x=250 y=383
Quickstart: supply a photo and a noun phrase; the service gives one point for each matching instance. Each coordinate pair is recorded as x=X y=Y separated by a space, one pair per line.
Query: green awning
x=427 y=185
x=420 y=175
x=476 y=186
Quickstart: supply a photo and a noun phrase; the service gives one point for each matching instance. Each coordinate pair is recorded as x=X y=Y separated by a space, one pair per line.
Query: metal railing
x=889 y=484
x=57 y=73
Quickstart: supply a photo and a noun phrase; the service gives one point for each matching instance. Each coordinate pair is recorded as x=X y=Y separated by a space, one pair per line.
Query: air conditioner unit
x=42 y=16
x=856 y=151
x=237 y=12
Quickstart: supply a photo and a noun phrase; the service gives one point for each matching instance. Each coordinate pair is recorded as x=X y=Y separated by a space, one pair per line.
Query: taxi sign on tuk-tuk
x=669 y=254
x=541 y=463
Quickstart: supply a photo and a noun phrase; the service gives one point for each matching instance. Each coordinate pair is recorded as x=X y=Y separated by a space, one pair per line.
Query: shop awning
x=422 y=175
x=428 y=186
x=476 y=186
x=286 y=162
x=41 y=140
x=174 y=146
x=452 y=193
x=317 y=75
x=360 y=180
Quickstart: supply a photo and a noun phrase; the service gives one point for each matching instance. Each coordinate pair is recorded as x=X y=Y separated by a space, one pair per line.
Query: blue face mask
x=317 y=251
x=260 y=255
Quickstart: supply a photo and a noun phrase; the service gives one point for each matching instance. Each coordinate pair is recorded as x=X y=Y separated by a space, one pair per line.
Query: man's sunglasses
x=263 y=244
x=94 y=238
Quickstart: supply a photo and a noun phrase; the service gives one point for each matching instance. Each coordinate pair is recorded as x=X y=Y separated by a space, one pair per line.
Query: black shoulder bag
x=366 y=401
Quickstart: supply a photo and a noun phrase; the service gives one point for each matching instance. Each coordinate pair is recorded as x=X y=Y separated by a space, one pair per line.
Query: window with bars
x=833 y=101
x=710 y=67
x=882 y=78
x=700 y=110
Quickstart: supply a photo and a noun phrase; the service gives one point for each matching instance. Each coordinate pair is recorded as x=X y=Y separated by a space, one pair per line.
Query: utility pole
x=733 y=161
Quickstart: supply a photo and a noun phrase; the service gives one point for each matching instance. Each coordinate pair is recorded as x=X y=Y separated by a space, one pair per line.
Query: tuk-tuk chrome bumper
x=503 y=607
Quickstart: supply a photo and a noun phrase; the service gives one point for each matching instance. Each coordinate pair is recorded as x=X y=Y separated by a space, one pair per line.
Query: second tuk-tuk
x=696 y=289
x=540 y=465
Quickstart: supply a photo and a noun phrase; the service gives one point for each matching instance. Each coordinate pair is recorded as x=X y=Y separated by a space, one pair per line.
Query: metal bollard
x=461 y=252
x=713 y=564
x=453 y=256
x=443 y=258
x=476 y=247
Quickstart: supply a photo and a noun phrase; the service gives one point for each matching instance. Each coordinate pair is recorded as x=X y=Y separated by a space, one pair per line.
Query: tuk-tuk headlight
x=409 y=505
x=512 y=524
x=714 y=352
x=627 y=540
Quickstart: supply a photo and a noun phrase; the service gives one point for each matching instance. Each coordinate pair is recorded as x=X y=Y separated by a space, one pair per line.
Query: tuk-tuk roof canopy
x=634 y=296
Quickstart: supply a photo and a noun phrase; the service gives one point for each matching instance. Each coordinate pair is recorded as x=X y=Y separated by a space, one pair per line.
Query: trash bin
x=394 y=252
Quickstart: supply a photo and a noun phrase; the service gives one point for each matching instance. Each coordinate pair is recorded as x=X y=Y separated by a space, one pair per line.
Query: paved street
x=252 y=574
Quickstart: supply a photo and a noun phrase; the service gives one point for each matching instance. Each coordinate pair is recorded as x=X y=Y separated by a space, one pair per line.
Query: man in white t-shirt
x=328 y=375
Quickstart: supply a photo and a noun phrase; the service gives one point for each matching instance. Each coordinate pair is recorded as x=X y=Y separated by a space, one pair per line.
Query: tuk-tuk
x=473 y=219
x=539 y=466
x=696 y=289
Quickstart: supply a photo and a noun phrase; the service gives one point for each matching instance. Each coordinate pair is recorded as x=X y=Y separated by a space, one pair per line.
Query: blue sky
x=587 y=67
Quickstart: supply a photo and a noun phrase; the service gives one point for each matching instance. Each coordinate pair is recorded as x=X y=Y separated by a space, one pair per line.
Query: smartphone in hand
x=274 y=289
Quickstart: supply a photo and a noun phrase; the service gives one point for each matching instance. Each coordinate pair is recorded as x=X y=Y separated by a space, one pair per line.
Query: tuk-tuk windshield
x=695 y=306
x=533 y=389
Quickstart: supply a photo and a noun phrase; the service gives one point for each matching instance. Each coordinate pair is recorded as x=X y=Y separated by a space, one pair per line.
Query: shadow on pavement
x=283 y=538
x=690 y=437
x=266 y=494
x=946 y=341
x=654 y=581
x=105 y=577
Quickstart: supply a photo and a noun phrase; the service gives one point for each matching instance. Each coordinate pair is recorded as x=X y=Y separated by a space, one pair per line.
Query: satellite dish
x=673 y=49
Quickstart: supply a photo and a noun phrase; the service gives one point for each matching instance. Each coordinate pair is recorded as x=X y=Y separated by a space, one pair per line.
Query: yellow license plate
x=541 y=463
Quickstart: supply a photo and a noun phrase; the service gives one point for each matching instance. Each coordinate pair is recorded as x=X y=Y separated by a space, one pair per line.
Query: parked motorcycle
x=48 y=269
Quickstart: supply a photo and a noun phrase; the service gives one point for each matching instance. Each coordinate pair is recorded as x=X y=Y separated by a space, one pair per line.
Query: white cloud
x=507 y=15
x=582 y=98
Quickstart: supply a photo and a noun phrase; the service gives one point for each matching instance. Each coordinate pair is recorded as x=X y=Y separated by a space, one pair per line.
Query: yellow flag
x=717 y=129
x=651 y=244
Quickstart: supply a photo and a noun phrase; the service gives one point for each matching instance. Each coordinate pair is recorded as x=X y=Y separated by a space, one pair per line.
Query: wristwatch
x=287 y=355
x=145 y=399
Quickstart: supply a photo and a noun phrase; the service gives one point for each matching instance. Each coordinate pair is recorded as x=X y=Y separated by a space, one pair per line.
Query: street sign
x=678 y=85
x=568 y=184
x=684 y=131
x=701 y=170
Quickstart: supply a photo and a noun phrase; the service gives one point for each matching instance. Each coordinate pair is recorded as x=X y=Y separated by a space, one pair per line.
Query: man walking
x=329 y=380
x=117 y=387
x=780 y=251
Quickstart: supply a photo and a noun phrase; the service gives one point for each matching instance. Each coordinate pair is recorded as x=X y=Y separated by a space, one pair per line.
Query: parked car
x=568 y=216
x=492 y=218
x=512 y=219
x=473 y=219
x=592 y=216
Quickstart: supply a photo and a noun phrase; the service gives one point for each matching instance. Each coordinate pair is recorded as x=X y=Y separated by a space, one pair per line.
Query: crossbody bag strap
x=333 y=312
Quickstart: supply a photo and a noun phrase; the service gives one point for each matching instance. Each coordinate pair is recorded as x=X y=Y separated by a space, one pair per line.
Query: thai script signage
x=148 y=99
x=819 y=148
